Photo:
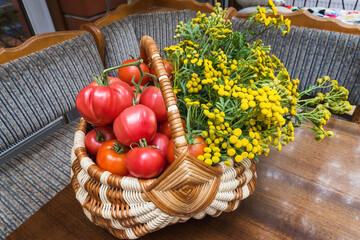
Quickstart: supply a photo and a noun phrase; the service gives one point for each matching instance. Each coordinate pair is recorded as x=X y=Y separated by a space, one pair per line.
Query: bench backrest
x=120 y=43
x=122 y=37
x=37 y=90
x=160 y=26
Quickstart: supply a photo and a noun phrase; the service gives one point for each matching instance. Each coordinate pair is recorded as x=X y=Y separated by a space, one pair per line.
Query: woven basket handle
x=150 y=52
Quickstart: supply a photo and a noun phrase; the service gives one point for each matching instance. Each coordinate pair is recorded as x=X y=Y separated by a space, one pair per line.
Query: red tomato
x=100 y=105
x=144 y=162
x=195 y=149
x=169 y=67
x=113 y=78
x=161 y=142
x=111 y=157
x=153 y=99
x=164 y=128
x=127 y=73
x=135 y=123
x=95 y=138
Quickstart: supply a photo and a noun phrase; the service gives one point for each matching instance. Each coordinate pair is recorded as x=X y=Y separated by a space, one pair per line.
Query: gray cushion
x=160 y=26
x=309 y=54
x=120 y=43
x=39 y=88
x=122 y=38
x=34 y=177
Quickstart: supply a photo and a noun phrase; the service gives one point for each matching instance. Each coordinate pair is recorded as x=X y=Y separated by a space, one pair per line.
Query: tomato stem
x=104 y=80
x=99 y=135
x=143 y=143
x=138 y=89
x=142 y=74
x=118 y=148
x=154 y=79
x=135 y=144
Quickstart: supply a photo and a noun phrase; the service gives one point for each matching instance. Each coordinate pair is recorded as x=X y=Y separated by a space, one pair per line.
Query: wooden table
x=309 y=190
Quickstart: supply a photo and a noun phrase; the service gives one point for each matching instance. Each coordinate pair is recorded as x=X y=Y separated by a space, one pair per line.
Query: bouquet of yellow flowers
x=236 y=95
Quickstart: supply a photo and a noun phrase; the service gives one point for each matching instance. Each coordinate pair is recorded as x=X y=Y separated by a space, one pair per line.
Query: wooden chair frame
x=36 y=43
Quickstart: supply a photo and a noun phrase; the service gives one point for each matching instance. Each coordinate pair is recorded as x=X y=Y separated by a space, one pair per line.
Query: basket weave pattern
x=129 y=207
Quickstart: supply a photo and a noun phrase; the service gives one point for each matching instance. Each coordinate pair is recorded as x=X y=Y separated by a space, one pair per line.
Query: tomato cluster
x=132 y=136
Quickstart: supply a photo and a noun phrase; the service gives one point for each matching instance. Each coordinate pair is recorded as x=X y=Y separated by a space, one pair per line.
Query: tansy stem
x=267 y=28
x=189 y=138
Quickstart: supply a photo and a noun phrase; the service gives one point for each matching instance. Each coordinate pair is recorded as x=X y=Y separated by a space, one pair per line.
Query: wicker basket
x=129 y=207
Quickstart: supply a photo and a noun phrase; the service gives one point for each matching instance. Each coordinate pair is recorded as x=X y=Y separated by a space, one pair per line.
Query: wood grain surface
x=36 y=43
x=309 y=190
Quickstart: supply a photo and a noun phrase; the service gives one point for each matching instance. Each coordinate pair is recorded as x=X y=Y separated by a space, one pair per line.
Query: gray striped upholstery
x=120 y=43
x=309 y=54
x=34 y=177
x=34 y=91
x=122 y=37
x=37 y=89
x=160 y=26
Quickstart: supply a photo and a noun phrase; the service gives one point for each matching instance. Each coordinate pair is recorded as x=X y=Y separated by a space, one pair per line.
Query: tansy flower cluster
x=279 y=22
x=238 y=96
x=317 y=110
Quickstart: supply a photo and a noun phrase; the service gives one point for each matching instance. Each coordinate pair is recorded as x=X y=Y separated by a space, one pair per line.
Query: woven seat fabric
x=309 y=54
x=120 y=43
x=34 y=177
x=122 y=37
x=160 y=26
x=39 y=88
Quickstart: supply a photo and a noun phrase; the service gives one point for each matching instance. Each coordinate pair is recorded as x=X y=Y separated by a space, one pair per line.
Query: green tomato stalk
x=118 y=148
x=104 y=80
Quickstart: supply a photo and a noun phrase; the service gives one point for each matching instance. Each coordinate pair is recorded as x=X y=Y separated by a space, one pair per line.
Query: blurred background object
x=20 y=19
x=338 y=4
x=38 y=15
x=14 y=28
x=79 y=12
x=249 y=6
